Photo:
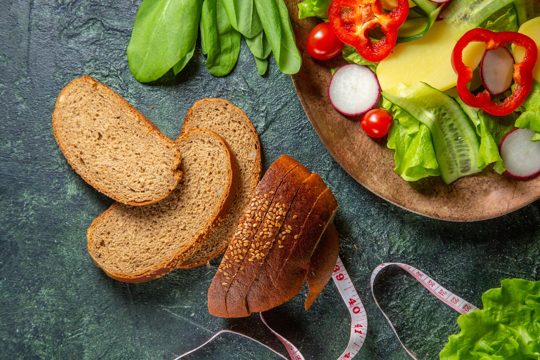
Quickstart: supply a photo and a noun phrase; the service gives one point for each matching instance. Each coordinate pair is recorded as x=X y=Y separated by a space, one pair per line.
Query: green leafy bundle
x=165 y=34
x=507 y=328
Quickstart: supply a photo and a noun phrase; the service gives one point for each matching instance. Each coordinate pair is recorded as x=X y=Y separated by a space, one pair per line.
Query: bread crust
x=263 y=242
x=279 y=272
x=291 y=273
x=126 y=106
x=169 y=265
x=220 y=248
x=322 y=264
x=247 y=228
x=303 y=208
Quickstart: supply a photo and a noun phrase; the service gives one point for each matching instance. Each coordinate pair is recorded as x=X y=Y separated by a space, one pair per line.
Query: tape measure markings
x=452 y=300
x=357 y=311
x=354 y=305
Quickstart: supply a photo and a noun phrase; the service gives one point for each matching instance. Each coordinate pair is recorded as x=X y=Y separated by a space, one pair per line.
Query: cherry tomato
x=376 y=123
x=322 y=43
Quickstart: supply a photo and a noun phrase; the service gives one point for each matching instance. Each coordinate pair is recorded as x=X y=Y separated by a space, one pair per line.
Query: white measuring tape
x=444 y=295
x=359 y=322
x=356 y=309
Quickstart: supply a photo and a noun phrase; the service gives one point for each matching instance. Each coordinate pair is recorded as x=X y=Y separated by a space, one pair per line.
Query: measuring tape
x=359 y=322
x=356 y=309
x=444 y=295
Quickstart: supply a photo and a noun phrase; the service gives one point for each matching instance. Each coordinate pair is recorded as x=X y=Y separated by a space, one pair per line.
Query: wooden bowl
x=370 y=163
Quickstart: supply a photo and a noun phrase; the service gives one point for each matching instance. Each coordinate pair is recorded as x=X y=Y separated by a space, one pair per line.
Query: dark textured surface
x=55 y=304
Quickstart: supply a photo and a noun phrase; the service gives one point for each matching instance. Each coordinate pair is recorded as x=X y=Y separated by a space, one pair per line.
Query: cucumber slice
x=468 y=14
x=454 y=138
x=417 y=26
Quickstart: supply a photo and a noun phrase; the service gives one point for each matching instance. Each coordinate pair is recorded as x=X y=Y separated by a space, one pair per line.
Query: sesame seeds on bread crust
x=288 y=274
x=263 y=241
x=270 y=248
x=293 y=246
x=252 y=217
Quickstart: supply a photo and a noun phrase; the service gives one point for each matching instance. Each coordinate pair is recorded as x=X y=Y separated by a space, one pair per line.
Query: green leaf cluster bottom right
x=507 y=328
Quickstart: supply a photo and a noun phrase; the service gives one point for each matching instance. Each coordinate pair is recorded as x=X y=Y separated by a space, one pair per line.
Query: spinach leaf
x=243 y=17
x=209 y=34
x=278 y=29
x=163 y=35
x=260 y=48
x=220 y=41
x=183 y=62
x=262 y=65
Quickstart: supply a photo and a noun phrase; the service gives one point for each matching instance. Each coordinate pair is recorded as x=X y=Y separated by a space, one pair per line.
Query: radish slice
x=497 y=70
x=521 y=156
x=354 y=90
x=440 y=1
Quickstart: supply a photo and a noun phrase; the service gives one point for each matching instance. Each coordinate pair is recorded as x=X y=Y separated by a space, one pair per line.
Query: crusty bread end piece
x=270 y=254
x=138 y=244
x=322 y=264
x=112 y=146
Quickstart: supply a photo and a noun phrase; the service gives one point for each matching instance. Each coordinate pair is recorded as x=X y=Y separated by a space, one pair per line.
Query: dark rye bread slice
x=286 y=275
x=285 y=234
x=322 y=264
x=306 y=209
x=248 y=226
x=253 y=288
x=112 y=146
x=138 y=244
x=263 y=241
x=233 y=125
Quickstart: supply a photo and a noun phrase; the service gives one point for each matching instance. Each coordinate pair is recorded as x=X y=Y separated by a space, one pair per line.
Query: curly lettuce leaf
x=414 y=154
x=507 y=328
x=489 y=131
x=313 y=8
x=530 y=115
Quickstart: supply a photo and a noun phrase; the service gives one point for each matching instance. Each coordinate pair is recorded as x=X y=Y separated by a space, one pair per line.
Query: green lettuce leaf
x=530 y=113
x=316 y=8
x=414 y=154
x=352 y=56
x=490 y=131
x=508 y=327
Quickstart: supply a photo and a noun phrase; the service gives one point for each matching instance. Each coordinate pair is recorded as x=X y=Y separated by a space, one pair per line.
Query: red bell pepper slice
x=352 y=20
x=523 y=71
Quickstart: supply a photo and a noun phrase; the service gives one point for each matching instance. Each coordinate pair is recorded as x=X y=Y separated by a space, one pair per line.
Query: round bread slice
x=138 y=244
x=234 y=126
x=112 y=146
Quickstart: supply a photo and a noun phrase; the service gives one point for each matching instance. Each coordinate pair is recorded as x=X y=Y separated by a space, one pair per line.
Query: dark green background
x=54 y=303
